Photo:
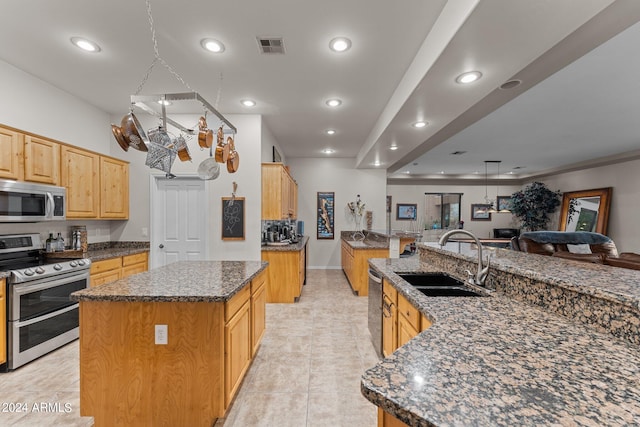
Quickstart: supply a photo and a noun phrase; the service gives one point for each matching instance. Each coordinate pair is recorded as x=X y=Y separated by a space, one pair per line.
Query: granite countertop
x=182 y=281
x=293 y=247
x=4 y=274
x=102 y=254
x=496 y=361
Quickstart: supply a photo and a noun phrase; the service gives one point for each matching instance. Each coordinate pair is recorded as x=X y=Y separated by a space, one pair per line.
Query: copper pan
x=117 y=134
x=205 y=136
x=233 y=162
x=133 y=132
x=222 y=149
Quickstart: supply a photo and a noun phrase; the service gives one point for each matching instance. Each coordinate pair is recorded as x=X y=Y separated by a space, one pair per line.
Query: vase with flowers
x=356 y=209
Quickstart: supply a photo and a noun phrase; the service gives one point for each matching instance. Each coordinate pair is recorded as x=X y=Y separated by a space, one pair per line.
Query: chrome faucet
x=483 y=272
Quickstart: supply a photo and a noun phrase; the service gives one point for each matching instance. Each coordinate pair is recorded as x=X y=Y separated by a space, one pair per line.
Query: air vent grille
x=271 y=44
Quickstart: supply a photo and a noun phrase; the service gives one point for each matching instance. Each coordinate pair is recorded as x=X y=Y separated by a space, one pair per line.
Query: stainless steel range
x=40 y=315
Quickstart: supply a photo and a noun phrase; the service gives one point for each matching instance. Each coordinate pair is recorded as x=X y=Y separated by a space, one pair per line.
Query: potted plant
x=533 y=204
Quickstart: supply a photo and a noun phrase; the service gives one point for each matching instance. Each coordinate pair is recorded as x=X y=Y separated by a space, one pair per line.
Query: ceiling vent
x=271 y=44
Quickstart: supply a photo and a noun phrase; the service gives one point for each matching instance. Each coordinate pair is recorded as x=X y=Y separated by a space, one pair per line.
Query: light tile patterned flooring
x=306 y=373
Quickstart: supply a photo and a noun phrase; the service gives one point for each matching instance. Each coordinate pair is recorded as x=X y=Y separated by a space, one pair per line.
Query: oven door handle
x=23 y=289
x=45 y=317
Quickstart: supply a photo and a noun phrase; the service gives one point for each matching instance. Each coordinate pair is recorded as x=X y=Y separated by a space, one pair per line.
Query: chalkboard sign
x=233 y=218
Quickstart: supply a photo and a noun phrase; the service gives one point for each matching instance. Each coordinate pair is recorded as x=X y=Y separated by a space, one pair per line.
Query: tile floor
x=306 y=373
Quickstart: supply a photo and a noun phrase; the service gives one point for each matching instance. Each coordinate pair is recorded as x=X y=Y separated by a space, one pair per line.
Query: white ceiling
x=401 y=68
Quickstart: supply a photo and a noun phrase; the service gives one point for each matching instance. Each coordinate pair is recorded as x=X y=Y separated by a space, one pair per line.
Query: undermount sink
x=439 y=285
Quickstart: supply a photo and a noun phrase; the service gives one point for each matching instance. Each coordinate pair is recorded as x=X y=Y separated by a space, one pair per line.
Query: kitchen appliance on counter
x=28 y=202
x=40 y=315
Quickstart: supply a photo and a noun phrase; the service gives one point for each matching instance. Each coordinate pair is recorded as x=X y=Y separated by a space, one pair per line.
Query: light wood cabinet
x=3 y=321
x=80 y=175
x=385 y=419
x=408 y=321
x=11 y=160
x=41 y=160
x=355 y=265
x=258 y=310
x=389 y=318
x=112 y=269
x=287 y=272
x=279 y=193
x=114 y=188
x=238 y=346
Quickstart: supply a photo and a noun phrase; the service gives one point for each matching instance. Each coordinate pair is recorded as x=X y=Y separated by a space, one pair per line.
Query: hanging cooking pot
x=208 y=169
x=205 y=136
x=117 y=133
x=222 y=149
x=233 y=162
x=133 y=133
x=182 y=148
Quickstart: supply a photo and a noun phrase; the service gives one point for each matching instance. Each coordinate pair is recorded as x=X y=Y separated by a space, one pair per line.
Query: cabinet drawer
x=389 y=291
x=106 y=265
x=409 y=312
x=134 y=259
x=130 y=270
x=104 y=277
x=236 y=302
x=258 y=282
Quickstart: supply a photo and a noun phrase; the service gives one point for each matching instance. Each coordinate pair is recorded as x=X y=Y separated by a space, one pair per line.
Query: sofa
x=576 y=245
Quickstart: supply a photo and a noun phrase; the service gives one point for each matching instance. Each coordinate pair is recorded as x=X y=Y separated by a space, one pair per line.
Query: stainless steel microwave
x=29 y=202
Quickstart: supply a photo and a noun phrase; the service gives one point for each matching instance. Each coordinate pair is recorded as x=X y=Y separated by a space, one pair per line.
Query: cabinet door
x=130 y=270
x=258 y=316
x=41 y=160
x=11 y=146
x=237 y=356
x=294 y=199
x=79 y=173
x=284 y=201
x=389 y=326
x=406 y=331
x=114 y=188
x=105 y=277
x=3 y=322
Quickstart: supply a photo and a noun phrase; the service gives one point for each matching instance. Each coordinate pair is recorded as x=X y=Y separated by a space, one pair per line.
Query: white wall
x=470 y=194
x=268 y=142
x=337 y=175
x=624 y=227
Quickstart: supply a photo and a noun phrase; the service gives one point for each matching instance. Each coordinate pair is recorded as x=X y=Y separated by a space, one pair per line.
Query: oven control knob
x=81 y=262
x=28 y=272
x=57 y=267
x=39 y=270
x=73 y=264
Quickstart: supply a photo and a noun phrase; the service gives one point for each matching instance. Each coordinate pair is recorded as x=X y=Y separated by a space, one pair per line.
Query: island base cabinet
x=237 y=342
x=128 y=380
x=385 y=419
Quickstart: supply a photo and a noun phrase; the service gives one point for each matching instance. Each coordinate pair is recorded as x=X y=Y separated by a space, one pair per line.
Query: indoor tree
x=533 y=204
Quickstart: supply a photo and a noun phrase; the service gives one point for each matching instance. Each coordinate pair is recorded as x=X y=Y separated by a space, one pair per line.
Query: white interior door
x=178 y=220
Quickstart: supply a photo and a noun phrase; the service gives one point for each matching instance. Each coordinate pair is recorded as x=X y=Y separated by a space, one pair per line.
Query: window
x=442 y=210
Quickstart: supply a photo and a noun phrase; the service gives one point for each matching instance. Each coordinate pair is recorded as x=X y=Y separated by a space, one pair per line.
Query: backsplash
x=97 y=231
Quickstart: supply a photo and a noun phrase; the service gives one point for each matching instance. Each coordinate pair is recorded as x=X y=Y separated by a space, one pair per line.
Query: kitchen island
x=514 y=358
x=170 y=346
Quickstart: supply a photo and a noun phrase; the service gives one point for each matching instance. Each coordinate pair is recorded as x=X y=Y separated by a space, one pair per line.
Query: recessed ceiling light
x=393 y=148
x=419 y=125
x=407 y=172
x=468 y=77
x=164 y=102
x=340 y=44
x=377 y=163
x=328 y=151
x=441 y=172
x=86 y=45
x=212 y=45
x=330 y=131
x=248 y=102
x=511 y=84
x=334 y=102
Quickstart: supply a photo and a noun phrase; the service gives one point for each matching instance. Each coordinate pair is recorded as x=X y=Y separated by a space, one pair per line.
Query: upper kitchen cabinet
x=279 y=193
x=80 y=175
x=11 y=147
x=41 y=160
x=114 y=188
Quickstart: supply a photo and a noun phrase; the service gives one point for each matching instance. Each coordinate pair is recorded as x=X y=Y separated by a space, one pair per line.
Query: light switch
x=162 y=334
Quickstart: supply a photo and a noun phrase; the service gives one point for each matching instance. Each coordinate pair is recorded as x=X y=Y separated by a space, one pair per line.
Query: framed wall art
x=233 y=218
x=325 y=208
x=406 y=211
x=480 y=212
x=503 y=203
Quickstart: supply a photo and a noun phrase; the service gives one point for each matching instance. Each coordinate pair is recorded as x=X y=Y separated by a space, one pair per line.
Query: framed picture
x=233 y=218
x=480 y=212
x=276 y=155
x=406 y=211
x=504 y=203
x=325 y=215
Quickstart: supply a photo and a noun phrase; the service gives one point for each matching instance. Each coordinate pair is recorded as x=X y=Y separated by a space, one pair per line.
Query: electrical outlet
x=145 y=232
x=162 y=334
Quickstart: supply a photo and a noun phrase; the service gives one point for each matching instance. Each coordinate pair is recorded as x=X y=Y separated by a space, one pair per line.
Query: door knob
x=161 y=246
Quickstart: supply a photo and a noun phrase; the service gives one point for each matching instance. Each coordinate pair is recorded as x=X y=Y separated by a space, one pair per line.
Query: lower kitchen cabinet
x=3 y=321
x=287 y=273
x=385 y=419
x=237 y=342
x=112 y=269
x=408 y=321
x=258 y=310
x=389 y=318
x=355 y=266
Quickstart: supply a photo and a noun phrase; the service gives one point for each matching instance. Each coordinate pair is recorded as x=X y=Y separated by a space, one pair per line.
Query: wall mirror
x=590 y=210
